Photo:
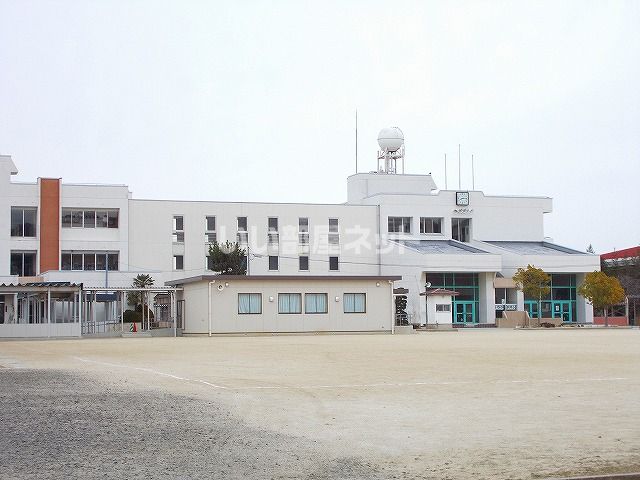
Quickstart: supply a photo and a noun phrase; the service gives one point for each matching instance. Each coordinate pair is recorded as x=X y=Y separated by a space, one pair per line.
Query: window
x=209 y=262
x=210 y=230
x=272 y=227
x=178 y=229
x=23 y=264
x=399 y=225
x=289 y=303
x=315 y=303
x=334 y=235
x=354 y=302
x=333 y=263
x=23 y=221
x=243 y=235
x=273 y=262
x=443 y=307
x=249 y=303
x=89 y=218
x=461 y=229
x=303 y=231
x=430 y=225
x=178 y=262
x=303 y=263
x=89 y=261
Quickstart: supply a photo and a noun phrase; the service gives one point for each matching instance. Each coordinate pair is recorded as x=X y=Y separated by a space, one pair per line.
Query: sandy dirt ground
x=468 y=404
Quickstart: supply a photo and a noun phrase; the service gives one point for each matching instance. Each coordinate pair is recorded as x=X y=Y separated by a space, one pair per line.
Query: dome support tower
x=391 y=142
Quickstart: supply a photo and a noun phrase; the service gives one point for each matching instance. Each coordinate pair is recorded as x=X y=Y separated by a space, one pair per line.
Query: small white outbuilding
x=286 y=303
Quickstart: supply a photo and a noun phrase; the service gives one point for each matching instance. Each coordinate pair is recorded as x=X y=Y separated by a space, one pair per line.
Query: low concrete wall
x=39 y=330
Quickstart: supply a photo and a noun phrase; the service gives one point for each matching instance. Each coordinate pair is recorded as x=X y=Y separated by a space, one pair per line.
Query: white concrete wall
x=151 y=247
x=225 y=317
x=97 y=239
x=39 y=330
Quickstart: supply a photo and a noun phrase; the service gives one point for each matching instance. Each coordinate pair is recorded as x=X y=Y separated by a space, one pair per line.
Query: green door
x=464 y=312
x=562 y=309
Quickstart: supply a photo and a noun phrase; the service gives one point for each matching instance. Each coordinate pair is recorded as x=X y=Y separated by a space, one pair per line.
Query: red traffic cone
x=134 y=327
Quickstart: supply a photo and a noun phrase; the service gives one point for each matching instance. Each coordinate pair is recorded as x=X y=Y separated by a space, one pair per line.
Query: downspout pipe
x=209 y=309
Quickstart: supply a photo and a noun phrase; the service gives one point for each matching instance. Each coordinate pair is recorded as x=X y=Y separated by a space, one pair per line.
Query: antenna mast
x=356 y=140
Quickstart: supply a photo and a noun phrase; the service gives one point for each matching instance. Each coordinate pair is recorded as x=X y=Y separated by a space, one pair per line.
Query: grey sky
x=255 y=100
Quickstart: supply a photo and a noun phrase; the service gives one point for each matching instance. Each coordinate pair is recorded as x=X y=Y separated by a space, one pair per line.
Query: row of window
x=274 y=263
x=89 y=261
x=89 y=218
x=24 y=219
x=273 y=235
x=460 y=227
x=291 y=303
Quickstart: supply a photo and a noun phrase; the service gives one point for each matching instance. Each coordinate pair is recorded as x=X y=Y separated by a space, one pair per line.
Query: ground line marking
x=354 y=385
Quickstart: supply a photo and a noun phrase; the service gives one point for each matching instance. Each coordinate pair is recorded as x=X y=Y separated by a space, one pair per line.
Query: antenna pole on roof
x=459 y=170
x=445 y=171
x=356 y=140
x=473 y=175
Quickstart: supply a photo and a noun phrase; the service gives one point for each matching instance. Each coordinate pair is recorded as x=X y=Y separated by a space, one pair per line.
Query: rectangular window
x=210 y=230
x=289 y=303
x=430 y=225
x=303 y=263
x=65 y=261
x=303 y=231
x=89 y=219
x=178 y=229
x=101 y=261
x=76 y=261
x=272 y=234
x=334 y=263
x=243 y=234
x=23 y=264
x=399 y=225
x=461 y=229
x=113 y=219
x=334 y=232
x=273 y=262
x=178 y=262
x=443 y=307
x=23 y=221
x=209 y=262
x=66 y=218
x=354 y=302
x=102 y=219
x=77 y=219
x=315 y=303
x=89 y=261
x=249 y=303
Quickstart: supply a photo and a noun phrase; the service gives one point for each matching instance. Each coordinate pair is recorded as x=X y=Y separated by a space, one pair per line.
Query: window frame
x=344 y=308
x=405 y=223
x=250 y=312
x=175 y=263
x=337 y=269
x=277 y=269
x=22 y=254
x=423 y=224
x=299 y=295
x=210 y=235
x=300 y=257
x=22 y=211
x=326 y=295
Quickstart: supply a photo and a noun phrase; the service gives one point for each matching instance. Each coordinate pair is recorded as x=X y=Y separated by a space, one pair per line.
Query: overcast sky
x=249 y=100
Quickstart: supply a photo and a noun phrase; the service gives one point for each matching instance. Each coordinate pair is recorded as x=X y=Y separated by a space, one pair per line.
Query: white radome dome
x=390 y=139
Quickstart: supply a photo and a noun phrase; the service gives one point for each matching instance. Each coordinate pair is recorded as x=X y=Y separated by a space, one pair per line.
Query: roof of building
x=439 y=247
x=535 y=248
x=624 y=253
x=43 y=284
x=439 y=291
x=211 y=278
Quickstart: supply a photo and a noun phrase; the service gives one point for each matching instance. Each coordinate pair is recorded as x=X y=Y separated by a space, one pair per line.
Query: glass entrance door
x=562 y=309
x=464 y=312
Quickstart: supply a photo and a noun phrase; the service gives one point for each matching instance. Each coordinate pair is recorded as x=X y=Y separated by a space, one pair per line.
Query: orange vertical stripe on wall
x=49 y=224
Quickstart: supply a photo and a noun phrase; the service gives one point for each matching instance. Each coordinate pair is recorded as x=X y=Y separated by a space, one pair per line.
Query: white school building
x=395 y=230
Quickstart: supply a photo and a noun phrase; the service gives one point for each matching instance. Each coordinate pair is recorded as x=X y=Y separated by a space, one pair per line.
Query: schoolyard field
x=486 y=403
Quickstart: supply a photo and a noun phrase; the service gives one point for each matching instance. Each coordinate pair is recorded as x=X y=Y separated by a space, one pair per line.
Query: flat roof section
x=536 y=248
x=211 y=278
x=438 y=247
